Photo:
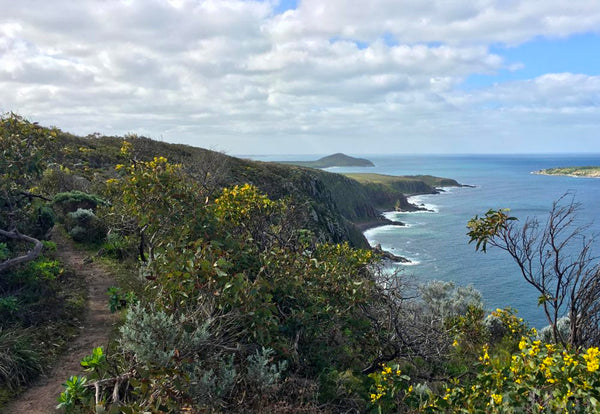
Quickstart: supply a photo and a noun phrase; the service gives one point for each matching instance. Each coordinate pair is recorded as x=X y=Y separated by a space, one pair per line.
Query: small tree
x=22 y=153
x=556 y=260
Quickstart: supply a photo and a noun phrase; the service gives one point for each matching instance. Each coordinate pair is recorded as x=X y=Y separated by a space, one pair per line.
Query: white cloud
x=233 y=75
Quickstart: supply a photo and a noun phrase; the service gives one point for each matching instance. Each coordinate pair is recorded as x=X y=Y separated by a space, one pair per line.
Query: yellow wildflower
x=497 y=398
x=486 y=357
x=592 y=359
x=523 y=343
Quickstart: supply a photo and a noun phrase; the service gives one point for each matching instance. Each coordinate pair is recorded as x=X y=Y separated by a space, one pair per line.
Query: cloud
x=417 y=21
x=238 y=76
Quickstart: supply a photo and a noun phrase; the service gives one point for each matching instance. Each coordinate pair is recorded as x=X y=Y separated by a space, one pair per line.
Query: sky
x=311 y=76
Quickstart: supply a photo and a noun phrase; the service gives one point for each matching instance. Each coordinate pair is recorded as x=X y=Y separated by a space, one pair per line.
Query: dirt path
x=97 y=325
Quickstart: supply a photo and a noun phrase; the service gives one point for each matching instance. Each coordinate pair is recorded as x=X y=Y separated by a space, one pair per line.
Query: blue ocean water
x=437 y=242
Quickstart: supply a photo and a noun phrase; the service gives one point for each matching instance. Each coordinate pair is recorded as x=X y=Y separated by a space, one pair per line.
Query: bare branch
x=31 y=255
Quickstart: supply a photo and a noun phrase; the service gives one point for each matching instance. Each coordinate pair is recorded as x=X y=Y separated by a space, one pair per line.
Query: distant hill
x=591 y=172
x=334 y=160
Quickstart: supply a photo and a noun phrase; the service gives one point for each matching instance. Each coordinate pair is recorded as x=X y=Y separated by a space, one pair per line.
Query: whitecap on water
x=419 y=201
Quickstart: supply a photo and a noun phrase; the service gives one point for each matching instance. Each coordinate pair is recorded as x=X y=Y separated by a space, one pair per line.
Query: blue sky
x=311 y=76
x=578 y=53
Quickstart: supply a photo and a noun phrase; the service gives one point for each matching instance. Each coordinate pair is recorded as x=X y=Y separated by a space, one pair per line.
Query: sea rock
x=389 y=256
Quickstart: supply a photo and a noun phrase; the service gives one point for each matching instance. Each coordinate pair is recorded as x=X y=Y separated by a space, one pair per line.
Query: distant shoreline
x=577 y=172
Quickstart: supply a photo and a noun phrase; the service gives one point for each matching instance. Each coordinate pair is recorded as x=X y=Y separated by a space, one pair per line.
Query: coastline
x=564 y=175
x=382 y=221
x=577 y=172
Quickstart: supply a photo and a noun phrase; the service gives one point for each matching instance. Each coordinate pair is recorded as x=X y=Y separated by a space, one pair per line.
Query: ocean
x=436 y=242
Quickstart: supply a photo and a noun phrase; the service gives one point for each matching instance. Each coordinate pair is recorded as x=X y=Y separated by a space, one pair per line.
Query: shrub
x=84 y=226
x=4 y=252
x=563 y=325
x=118 y=247
x=264 y=374
x=210 y=387
x=446 y=300
x=45 y=219
x=73 y=200
x=154 y=336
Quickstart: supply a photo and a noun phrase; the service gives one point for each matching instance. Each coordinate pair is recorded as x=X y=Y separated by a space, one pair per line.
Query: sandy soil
x=96 y=328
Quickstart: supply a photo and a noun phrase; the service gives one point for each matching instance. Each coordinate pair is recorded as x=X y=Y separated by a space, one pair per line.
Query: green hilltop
x=334 y=160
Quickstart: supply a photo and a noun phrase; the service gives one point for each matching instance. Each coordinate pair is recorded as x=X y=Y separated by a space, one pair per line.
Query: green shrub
x=75 y=395
x=4 y=252
x=9 y=305
x=45 y=219
x=73 y=200
x=117 y=247
x=117 y=299
x=210 y=387
x=84 y=227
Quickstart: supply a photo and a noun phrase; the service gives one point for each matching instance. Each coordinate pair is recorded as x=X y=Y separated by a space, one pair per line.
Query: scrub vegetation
x=252 y=291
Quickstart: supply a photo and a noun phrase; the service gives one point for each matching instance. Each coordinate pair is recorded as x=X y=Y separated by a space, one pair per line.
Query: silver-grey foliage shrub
x=563 y=325
x=495 y=327
x=209 y=387
x=153 y=336
x=447 y=300
x=84 y=226
x=262 y=372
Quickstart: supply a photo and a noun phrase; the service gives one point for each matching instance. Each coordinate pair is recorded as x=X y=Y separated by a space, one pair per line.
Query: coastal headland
x=389 y=192
x=586 y=172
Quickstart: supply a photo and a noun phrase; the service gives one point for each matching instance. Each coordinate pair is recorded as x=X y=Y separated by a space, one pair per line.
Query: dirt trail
x=96 y=327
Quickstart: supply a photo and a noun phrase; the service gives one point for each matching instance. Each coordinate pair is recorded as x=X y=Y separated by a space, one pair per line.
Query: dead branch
x=31 y=255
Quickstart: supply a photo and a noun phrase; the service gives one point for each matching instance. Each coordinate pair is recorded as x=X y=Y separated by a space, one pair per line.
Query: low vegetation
x=592 y=172
x=249 y=299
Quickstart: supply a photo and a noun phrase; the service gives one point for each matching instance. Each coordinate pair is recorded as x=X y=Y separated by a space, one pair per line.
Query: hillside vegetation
x=592 y=172
x=241 y=294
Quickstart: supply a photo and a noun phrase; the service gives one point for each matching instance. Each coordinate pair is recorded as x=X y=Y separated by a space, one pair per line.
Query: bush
x=45 y=219
x=84 y=226
x=563 y=325
x=446 y=300
x=264 y=374
x=118 y=247
x=154 y=337
x=211 y=387
x=73 y=200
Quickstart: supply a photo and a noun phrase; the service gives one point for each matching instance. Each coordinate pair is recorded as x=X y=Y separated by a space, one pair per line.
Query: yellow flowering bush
x=511 y=325
x=388 y=386
x=539 y=378
x=241 y=204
